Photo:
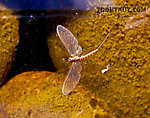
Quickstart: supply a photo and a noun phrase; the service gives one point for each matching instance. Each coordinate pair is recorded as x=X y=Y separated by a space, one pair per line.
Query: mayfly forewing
x=69 y=41
x=72 y=78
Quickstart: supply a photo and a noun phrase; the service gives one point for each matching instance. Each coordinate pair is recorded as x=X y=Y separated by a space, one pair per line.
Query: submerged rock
x=39 y=94
x=9 y=39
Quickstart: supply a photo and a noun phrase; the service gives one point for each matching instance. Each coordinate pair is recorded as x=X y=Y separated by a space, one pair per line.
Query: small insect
x=74 y=50
x=107 y=68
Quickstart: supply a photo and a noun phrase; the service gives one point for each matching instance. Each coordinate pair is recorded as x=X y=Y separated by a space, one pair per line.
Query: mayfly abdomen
x=88 y=55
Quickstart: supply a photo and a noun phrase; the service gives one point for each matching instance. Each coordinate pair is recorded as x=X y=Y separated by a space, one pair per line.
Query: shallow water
x=122 y=91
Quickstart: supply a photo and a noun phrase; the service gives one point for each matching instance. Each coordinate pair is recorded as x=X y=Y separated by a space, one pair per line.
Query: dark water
x=34 y=29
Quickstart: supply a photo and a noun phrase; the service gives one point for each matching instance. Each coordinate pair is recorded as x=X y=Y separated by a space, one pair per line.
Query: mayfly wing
x=69 y=41
x=72 y=78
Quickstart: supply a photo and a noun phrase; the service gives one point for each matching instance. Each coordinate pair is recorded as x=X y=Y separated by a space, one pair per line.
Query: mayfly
x=74 y=50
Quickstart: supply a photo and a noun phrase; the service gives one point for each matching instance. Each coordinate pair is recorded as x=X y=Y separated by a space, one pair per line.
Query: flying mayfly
x=74 y=50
